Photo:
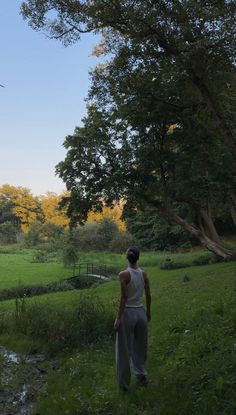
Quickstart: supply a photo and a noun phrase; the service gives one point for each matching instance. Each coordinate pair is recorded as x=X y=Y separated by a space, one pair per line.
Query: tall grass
x=191 y=354
x=60 y=328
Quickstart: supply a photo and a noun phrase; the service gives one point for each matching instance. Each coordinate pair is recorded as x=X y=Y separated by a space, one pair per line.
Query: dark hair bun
x=132 y=255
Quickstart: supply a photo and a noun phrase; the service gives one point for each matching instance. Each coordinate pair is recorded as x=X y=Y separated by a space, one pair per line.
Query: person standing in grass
x=131 y=323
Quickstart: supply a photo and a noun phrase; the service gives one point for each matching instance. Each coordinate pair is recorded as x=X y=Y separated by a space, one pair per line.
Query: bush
x=120 y=242
x=205 y=259
x=40 y=257
x=170 y=264
x=88 y=236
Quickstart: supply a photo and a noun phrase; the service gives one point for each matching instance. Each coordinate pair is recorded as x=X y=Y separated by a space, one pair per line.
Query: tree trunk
x=206 y=241
x=207 y=226
x=216 y=247
x=232 y=202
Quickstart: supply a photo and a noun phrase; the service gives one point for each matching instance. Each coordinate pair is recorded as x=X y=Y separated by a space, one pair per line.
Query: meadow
x=192 y=346
x=18 y=265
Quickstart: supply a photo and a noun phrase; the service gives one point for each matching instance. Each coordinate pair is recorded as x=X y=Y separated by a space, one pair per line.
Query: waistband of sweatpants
x=134 y=306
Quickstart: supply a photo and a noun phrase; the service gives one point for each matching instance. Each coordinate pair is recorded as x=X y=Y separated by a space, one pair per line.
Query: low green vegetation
x=191 y=361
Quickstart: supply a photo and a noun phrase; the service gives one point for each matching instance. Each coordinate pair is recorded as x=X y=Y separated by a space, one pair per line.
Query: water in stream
x=22 y=378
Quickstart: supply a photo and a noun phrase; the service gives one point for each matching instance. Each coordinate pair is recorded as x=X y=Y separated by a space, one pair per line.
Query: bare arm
x=147 y=295
x=124 y=280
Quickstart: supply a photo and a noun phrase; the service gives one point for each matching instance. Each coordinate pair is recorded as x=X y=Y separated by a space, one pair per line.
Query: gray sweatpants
x=131 y=345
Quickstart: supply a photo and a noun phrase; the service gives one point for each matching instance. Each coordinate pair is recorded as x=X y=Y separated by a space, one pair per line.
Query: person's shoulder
x=124 y=274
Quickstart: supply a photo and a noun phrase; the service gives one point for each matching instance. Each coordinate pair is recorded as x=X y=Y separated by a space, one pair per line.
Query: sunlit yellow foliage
x=28 y=208
x=22 y=204
x=111 y=213
x=172 y=128
x=50 y=208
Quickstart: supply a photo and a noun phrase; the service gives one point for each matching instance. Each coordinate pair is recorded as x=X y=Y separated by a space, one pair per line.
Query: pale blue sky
x=42 y=102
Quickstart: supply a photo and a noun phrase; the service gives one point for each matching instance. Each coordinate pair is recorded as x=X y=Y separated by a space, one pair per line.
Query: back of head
x=132 y=254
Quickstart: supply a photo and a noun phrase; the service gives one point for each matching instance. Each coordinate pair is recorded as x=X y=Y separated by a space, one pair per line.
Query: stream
x=22 y=379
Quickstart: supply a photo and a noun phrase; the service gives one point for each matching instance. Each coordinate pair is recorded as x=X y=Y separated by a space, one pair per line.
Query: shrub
x=170 y=264
x=88 y=236
x=8 y=233
x=69 y=255
x=40 y=257
x=205 y=259
x=120 y=242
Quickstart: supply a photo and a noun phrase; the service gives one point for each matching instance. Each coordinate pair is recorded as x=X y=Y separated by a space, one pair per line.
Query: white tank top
x=135 y=287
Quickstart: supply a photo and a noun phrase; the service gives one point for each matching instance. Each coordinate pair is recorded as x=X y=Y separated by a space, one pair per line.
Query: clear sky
x=42 y=102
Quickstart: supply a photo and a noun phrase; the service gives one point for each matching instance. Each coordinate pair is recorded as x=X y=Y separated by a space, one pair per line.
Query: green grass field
x=17 y=265
x=192 y=345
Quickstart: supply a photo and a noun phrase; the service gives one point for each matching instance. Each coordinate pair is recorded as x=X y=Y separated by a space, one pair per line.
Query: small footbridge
x=95 y=270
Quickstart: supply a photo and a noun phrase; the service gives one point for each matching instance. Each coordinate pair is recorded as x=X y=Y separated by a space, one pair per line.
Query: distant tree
x=18 y=205
x=113 y=213
x=70 y=249
x=7 y=206
x=39 y=233
x=8 y=233
x=96 y=236
x=34 y=234
x=50 y=205
x=51 y=231
x=107 y=230
x=69 y=255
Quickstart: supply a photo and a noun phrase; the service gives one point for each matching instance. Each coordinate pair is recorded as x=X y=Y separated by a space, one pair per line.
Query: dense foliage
x=154 y=233
x=160 y=129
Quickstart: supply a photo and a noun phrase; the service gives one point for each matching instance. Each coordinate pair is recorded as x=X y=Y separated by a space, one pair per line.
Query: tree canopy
x=160 y=129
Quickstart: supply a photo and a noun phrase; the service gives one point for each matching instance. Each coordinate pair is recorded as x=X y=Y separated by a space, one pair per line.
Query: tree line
x=40 y=220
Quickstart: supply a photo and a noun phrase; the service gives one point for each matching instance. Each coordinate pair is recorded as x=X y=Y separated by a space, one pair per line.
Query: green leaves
x=166 y=66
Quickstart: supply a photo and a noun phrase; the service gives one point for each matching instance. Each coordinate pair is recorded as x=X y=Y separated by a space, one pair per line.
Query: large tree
x=160 y=128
